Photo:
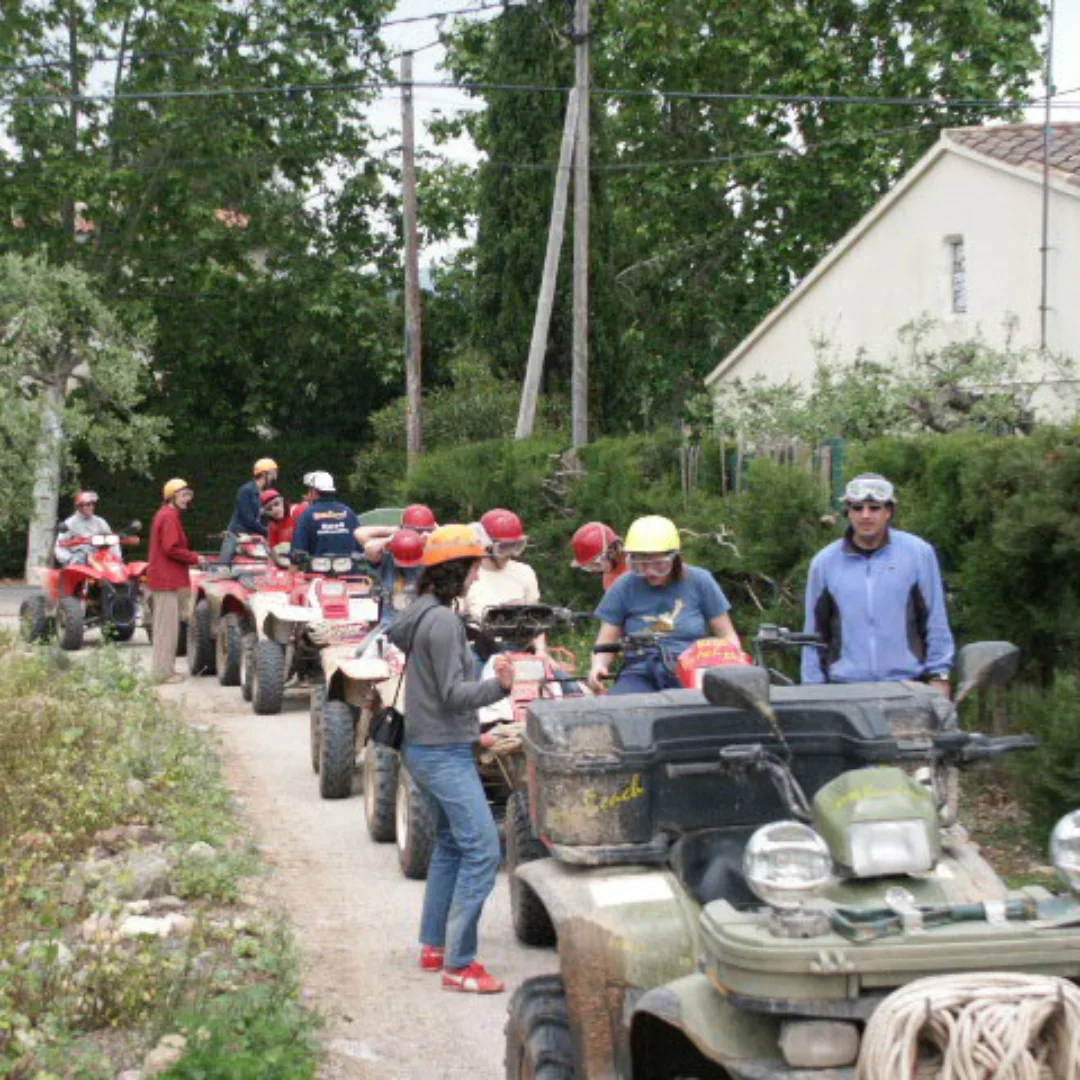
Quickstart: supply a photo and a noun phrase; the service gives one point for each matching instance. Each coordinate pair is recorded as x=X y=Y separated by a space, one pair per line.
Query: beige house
x=957 y=241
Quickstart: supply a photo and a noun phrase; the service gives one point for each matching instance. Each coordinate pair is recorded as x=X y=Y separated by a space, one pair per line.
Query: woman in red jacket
x=169 y=577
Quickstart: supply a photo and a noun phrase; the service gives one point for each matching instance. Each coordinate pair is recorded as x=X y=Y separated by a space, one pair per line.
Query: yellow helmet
x=455 y=542
x=652 y=534
x=265 y=464
x=173 y=487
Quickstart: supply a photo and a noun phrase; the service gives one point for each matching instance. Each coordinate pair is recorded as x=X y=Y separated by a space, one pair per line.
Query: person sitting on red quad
x=327 y=526
x=280 y=525
x=598 y=549
x=502 y=577
x=84 y=522
x=664 y=595
x=247 y=519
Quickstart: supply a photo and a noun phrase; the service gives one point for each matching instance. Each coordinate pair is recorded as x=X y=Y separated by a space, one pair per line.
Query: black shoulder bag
x=388 y=725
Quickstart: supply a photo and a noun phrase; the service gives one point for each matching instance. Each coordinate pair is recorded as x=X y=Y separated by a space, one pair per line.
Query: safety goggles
x=869 y=489
x=596 y=565
x=507 y=549
x=650 y=563
x=858 y=508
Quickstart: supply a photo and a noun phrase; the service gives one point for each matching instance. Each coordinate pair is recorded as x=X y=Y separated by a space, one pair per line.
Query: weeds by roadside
x=126 y=910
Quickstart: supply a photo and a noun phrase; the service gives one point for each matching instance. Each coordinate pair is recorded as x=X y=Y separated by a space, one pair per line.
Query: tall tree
x=69 y=369
x=712 y=209
x=173 y=150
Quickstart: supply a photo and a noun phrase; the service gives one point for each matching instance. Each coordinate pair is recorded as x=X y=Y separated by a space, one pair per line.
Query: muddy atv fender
x=687 y=1028
x=629 y=928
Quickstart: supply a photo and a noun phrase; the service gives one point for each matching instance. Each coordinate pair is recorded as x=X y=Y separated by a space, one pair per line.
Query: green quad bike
x=769 y=882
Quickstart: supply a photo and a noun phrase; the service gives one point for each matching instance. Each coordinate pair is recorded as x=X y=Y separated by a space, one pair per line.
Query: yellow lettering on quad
x=595 y=801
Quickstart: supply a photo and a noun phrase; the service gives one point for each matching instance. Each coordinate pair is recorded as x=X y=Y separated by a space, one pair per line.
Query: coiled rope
x=985 y=1026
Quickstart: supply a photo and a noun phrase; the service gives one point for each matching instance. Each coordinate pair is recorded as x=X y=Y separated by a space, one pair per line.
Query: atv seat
x=709 y=864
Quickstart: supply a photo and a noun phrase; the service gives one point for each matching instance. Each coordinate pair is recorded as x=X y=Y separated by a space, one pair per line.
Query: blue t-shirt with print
x=686 y=605
x=398 y=586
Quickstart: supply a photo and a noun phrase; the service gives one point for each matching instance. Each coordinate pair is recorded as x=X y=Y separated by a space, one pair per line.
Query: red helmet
x=268 y=496
x=407 y=547
x=503 y=526
x=418 y=516
x=590 y=542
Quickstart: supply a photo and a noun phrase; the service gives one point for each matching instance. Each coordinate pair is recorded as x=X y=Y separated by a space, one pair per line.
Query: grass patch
x=88 y=750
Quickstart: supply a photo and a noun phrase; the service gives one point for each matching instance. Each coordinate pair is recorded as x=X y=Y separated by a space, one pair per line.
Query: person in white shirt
x=83 y=523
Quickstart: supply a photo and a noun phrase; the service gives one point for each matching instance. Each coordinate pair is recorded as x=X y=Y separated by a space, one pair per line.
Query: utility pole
x=544 y=303
x=414 y=443
x=579 y=377
x=1048 y=135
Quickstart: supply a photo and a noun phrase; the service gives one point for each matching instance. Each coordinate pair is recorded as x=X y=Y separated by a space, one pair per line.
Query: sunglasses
x=858 y=508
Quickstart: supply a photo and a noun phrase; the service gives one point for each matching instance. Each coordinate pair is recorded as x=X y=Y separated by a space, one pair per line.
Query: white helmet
x=320 y=481
x=872 y=487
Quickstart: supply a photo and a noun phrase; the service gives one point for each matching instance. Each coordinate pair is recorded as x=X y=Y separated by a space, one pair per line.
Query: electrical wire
x=101 y=58
x=531 y=88
x=549 y=166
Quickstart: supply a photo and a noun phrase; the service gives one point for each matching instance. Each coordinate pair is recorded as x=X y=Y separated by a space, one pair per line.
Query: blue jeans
x=465 y=861
x=645 y=677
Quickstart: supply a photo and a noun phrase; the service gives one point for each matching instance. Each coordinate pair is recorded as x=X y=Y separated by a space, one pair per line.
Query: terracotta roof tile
x=1022 y=144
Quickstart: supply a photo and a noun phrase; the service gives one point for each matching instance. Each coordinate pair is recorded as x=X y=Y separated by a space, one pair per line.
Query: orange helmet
x=407 y=547
x=455 y=542
x=503 y=526
x=590 y=543
x=418 y=517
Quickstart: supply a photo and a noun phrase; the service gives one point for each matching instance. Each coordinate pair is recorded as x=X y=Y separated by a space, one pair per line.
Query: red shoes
x=431 y=958
x=474 y=979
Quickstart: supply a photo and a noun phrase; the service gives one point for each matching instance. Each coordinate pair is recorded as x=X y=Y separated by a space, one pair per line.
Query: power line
x=262 y=159
x=481 y=88
x=102 y=58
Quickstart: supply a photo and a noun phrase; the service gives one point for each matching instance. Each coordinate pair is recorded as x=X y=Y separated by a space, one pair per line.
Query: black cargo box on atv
x=601 y=783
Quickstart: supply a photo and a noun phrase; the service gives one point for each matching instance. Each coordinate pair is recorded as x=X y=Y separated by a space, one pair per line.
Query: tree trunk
x=48 y=458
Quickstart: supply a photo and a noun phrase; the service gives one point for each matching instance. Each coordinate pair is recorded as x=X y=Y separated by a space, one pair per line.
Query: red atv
x=102 y=592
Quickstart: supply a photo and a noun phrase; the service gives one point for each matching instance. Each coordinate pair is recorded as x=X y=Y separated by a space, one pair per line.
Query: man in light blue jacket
x=875 y=597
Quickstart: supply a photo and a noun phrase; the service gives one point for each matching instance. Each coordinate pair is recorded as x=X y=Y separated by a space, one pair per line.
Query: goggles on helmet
x=651 y=562
x=869 y=489
x=507 y=549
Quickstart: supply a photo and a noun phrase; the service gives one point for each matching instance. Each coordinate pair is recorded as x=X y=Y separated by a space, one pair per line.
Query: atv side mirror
x=737 y=687
x=985 y=663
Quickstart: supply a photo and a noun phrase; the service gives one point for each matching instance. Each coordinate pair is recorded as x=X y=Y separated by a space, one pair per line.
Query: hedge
x=214 y=470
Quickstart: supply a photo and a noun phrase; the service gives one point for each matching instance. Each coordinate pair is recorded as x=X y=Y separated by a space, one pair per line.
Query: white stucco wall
x=900 y=269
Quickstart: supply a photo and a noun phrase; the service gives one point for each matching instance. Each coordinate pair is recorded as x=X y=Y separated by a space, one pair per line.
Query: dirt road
x=355 y=916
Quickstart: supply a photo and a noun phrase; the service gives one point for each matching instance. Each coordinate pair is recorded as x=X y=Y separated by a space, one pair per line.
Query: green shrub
x=1048 y=779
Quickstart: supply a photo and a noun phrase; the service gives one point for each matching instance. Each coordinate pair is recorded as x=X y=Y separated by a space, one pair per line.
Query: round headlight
x=786 y=863
x=1065 y=849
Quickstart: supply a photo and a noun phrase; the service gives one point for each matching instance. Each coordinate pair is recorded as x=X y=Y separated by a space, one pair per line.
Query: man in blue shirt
x=876 y=598
x=327 y=526
x=247 y=516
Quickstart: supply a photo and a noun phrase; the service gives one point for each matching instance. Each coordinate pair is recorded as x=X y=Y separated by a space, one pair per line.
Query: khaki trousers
x=168 y=609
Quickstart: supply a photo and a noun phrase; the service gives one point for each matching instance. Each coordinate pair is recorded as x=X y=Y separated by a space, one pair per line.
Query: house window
x=957 y=274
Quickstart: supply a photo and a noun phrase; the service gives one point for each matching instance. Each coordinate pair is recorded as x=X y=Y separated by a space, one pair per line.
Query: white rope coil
x=985 y=1026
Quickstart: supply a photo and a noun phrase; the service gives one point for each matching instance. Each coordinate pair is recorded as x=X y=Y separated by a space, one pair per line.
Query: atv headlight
x=1065 y=849
x=883 y=848
x=321 y=564
x=343 y=564
x=786 y=863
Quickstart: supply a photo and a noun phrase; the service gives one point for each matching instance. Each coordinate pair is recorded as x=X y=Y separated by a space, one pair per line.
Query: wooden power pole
x=579 y=377
x=556 y=230
x=414 y=443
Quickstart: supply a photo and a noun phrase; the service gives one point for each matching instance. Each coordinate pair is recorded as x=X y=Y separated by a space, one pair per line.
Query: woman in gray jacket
x=441 y=728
